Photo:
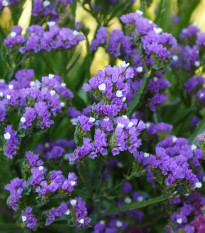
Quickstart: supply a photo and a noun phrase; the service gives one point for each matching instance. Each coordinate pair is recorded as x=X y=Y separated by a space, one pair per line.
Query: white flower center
x=92 y=119
x=46 y=3
x=23 y=119
x=139 y=69
x=102 y=87
x=7 y=136
x=124 y=64
x=73 y=202
x=119 y=94
x=119 y=224
x=52 y=92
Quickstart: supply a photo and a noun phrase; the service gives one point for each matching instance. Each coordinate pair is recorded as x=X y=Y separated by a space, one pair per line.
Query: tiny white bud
x=197 y=63
x=195 y=24
x=120 y=125
x=63 y=84
x=32 y=83
x=120 y=165
x=2 y=81
x=13 y=34
x=175 y=58
x=73 y=202
x=198 y=185
x=102 y=222
x=124 y=64
x=127 y=200
x=119 y=224
x=81 y=221
x=1 y=94
x=23 y=119
x=193 y=147
x=158 y=30
x=150 y=22
x=76 y=33
x=50 y=76
x=140 y=199
x=174 y=139
x=11 y=86
x=92 y=119
x=119 y=94
x=46 y=3
x=8 y=97
x=5 y=3
x=23 y=218
x=139 y=69
x=46 y=145
x=147 y=125
x=67 y=212
x=51 y=23
x=52 y=92
x=123 y=99
x=139 y=12
x=7 y=136
x=72 y=183
x=201 y=95
x=41 y=168
x=130 y=124
x=62 y=104
x=102 y=87
x=106 y=118
x=125 y=116
x=179 y=220
x=155 y=79
x=146 y=155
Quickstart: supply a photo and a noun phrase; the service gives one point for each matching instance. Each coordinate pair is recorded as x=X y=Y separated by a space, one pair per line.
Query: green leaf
x=143 y=7
x=198 y=130
x=138 y=205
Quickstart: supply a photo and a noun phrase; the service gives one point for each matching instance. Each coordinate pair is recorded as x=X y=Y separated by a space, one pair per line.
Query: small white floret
x=51 y=23
x=106 y=118
x=102 y=87
x=155 y=79
x=41 y=168
x=139 y=69
x=5 y=3
x=67 y=212
x=62 y=104
x=23 y=119
x=50 y=76
x=46 y=3
x=146 y=155
x=174 y=139
x=123 y=99
x=198 y=185
x=102 y=222
x=197 y=63
x=13 y=34
x=81 y=221
x=1 y=94
x=140 y=199
x=73 y=202
x=120 y=165
x=179 y=220
x=72 y=183
x=23 y=218
x=175 y=58
x=76 y=33
x=193 y=147
x=119 y=94
x=52 y=92
x=139 y=12
x=147 y=125
x=201 y=95
x=92 y=119
x=7 y=136
x=63 y=84
x=120 y=125
x=158 y=30
x=119 y=224
x=130 y=124
x=32 y=83
x=11 y=86
x=124 y=64
x=8 y=97
x=127 y=200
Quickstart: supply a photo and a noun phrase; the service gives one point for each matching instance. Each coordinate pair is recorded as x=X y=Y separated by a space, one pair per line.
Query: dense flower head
x=37 y=39
x=7 y=3
x=101 y=38
x=190 y=32
x=28 y=218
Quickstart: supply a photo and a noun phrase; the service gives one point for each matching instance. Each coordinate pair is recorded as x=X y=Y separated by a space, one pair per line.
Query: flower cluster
x=37 y=39
x=7 y=3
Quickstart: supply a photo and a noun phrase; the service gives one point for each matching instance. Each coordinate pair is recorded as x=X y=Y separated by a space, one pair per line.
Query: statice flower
x=15 y=188
x=28 y=218
x=15 y=37
x=101 y=38
x=190 y=32
x=12 y=142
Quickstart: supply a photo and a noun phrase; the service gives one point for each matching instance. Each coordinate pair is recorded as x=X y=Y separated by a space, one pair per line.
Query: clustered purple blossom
x=110 y=89
x=38 y=39
x=178 y=162
x=28 y=218
x=112 y=227
x=38 y=101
